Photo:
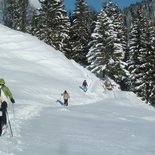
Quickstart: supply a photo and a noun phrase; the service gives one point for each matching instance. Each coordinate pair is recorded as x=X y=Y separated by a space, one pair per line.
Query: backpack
x=0 y=95
x=0 y=104
x=3 y=104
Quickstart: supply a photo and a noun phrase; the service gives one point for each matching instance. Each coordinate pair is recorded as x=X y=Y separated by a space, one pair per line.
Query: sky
x=96 y=4
x=98 y=121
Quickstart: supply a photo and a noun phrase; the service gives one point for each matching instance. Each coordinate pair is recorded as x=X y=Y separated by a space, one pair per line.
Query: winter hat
x=2 y=81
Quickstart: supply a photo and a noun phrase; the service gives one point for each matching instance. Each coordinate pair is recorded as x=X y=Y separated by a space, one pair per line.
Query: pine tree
x=68 y=42
x=51 y=24
x=15 y=14
x=141 y=64
x=22 y=12
x=100 y=53
x=148 y=63
x=106 y=54
x=135 y=48
x=117 y=70
x=81 y=31
x=10 y=14
x=151 y=69
x=126 y=81
x=29 y=16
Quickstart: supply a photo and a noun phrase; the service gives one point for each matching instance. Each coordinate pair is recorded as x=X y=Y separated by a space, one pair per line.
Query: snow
x=97 y=122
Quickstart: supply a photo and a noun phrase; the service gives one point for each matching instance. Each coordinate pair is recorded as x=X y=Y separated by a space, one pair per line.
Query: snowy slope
x=96 y=122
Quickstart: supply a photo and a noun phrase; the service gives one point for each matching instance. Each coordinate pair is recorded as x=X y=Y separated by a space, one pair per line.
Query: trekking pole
x=13 y=110
x=61 y=96
x=9 y=124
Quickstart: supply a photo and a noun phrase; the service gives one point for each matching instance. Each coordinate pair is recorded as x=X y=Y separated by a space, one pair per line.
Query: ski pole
x=9 y=124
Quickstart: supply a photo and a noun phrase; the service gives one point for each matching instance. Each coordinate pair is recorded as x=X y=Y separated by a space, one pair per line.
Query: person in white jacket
x=5 y=96
x=66 y=97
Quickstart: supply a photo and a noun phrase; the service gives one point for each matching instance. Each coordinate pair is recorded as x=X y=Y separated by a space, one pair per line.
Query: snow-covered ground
x=98 y=122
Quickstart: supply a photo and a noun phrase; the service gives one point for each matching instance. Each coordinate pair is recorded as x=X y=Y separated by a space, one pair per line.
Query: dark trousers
x=4 y=119
x=1 y=125
x=4 y=109
x=66 y=102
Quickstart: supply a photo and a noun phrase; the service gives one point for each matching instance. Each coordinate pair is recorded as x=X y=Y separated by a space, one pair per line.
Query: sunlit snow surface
x=98 y=122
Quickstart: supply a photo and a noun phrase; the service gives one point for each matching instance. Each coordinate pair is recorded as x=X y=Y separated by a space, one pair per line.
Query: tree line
x=99 y=41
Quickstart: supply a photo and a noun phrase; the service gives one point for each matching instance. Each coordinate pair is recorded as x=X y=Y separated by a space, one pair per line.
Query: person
x=65 y=97
x=84 y=85
x=5 y=95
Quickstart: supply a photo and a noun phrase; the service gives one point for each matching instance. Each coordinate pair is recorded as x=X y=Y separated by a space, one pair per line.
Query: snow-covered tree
x=142 y=56
x=81 y=31
x=136 y=52
x=22 y=15
x=118 y=69
x=15 y=14
x=106 y=54
x=51 y=23
x=148 y=63
x=10 y=14
x=151 y=69
x=100 y=53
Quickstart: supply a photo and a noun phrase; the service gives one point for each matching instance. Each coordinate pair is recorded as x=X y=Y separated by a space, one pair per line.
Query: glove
x=12 y=100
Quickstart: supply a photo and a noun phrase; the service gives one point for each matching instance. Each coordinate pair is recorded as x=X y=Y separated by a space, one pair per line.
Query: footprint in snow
x=63 y=109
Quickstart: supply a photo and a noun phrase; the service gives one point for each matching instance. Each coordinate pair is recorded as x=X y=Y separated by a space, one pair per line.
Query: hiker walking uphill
x=84 y=85
x=66 y=97
x=5 y=95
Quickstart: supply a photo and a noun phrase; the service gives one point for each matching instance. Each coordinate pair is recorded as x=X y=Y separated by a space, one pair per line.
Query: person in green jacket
x=5 y=96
